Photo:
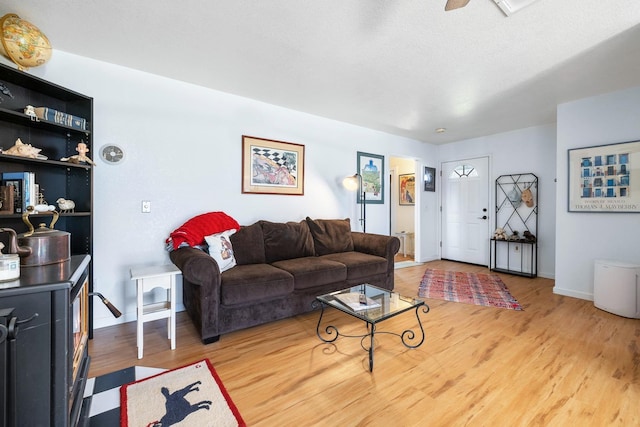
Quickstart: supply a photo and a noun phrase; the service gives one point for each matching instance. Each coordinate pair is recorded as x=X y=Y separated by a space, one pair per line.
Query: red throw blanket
x=197 y=228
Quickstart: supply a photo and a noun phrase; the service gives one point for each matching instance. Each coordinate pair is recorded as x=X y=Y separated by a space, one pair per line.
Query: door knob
x=482 y=217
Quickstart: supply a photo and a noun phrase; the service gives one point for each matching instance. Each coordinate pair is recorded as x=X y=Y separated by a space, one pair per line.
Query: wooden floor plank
x=559 y=362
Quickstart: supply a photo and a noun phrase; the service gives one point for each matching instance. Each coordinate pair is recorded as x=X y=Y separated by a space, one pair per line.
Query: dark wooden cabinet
x=44 y=353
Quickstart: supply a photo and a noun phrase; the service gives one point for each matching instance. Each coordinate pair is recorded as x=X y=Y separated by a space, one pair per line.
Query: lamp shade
x=351 y=182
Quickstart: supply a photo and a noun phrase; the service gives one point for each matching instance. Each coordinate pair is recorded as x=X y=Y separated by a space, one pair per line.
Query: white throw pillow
x=220 y=249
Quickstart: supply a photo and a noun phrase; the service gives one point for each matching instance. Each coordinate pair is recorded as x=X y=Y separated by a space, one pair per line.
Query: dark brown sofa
x=281 y=268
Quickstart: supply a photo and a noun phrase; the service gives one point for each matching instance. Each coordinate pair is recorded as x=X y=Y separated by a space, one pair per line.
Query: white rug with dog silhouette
x=192 y=395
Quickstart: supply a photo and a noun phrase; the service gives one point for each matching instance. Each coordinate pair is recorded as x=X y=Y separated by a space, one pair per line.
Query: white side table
x=147 y=279
x=403 y=236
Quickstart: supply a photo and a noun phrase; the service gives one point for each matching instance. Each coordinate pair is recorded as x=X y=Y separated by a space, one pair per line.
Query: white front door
x=465 y=210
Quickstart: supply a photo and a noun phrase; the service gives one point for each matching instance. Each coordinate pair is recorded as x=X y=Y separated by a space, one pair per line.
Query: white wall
x=183 y=153
x=582 y=238
x=428 y=212
x=530 y=150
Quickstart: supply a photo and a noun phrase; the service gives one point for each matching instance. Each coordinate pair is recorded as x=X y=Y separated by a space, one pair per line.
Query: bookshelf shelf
x=20 y=117
x=48 y=162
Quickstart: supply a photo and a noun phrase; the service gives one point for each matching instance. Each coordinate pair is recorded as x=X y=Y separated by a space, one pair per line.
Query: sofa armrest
x=201 y=282
x=197 y=266
x=383 y=246
x=376 y=244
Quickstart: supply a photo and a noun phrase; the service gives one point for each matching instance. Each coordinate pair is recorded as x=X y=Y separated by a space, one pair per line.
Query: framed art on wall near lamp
x=371 y=168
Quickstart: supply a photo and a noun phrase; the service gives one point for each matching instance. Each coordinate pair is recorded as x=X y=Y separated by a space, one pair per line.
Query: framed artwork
x=407 y=193
x=371 y=169
x=272 y=167
x=605 y=178
x=429 y=179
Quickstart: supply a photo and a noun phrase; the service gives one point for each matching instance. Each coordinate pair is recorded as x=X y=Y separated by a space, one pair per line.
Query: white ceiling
x=405 y=67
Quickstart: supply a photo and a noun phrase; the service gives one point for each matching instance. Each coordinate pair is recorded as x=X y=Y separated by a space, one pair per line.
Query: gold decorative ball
x=23 y=42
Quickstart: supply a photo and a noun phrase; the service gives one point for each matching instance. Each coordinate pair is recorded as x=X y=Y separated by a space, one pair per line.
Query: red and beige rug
x=469 y=288
x=192 y=395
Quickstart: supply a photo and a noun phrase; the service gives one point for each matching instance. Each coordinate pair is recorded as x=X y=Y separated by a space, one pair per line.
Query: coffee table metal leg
x=409 y=335
x=373 y=331
x=330 y=330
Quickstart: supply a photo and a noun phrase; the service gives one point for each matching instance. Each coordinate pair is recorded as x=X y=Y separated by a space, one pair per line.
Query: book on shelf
x=357 y=301
x=6 y=196
x=61 y=118
x=16 y=187
x=25 y=191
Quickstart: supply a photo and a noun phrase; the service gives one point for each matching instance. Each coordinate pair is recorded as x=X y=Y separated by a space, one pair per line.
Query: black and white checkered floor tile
x=104 y=392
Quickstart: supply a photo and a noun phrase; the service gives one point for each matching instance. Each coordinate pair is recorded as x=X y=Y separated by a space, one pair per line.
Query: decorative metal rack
x=517 y=254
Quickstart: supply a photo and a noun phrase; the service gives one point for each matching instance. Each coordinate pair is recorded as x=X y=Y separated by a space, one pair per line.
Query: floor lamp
x=352 y=183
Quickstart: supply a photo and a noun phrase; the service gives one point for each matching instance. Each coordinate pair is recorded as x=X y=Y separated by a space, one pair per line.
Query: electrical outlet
x=146 y=206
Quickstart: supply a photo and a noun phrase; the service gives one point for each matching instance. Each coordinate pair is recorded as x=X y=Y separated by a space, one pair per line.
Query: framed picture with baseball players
x=272 y=167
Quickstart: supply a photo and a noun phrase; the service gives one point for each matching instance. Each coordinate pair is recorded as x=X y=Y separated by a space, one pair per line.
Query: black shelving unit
x=56 y=178
x=516 y=255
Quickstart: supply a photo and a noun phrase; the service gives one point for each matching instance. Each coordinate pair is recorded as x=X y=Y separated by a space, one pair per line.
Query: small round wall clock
x=112 y=154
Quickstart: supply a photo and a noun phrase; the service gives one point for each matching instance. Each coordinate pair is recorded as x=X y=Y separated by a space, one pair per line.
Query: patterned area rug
x=469 y=288
x=192 y=395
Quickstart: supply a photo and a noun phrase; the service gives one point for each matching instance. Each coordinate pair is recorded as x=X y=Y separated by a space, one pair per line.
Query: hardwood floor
x=559 y=362
x=400 y=258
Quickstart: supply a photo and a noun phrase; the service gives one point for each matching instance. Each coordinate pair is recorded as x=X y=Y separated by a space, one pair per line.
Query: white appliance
x=616 y=287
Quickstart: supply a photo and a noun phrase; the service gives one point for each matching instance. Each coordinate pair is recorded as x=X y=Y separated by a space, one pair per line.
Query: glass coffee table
x=372 y=305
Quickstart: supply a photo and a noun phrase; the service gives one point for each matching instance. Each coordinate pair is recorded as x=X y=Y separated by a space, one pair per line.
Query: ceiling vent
x=509 y=7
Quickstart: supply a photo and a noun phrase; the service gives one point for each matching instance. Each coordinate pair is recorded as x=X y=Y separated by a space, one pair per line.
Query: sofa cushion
x=359 y=265
x=330 y=235
x=310 y=272
x=246 y=284
x=286 y=240
x=248 y=245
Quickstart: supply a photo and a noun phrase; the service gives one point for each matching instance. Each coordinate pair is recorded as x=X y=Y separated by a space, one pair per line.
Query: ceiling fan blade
x=455 y=4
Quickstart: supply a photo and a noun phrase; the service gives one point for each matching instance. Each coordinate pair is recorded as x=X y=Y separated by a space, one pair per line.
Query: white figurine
x=44 y=208
x=65 y=205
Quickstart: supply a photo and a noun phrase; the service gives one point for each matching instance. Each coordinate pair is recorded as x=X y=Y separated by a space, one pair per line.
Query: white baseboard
x=571 y=293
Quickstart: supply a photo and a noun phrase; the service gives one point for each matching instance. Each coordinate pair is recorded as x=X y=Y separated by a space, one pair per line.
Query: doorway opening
x=402 y=208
